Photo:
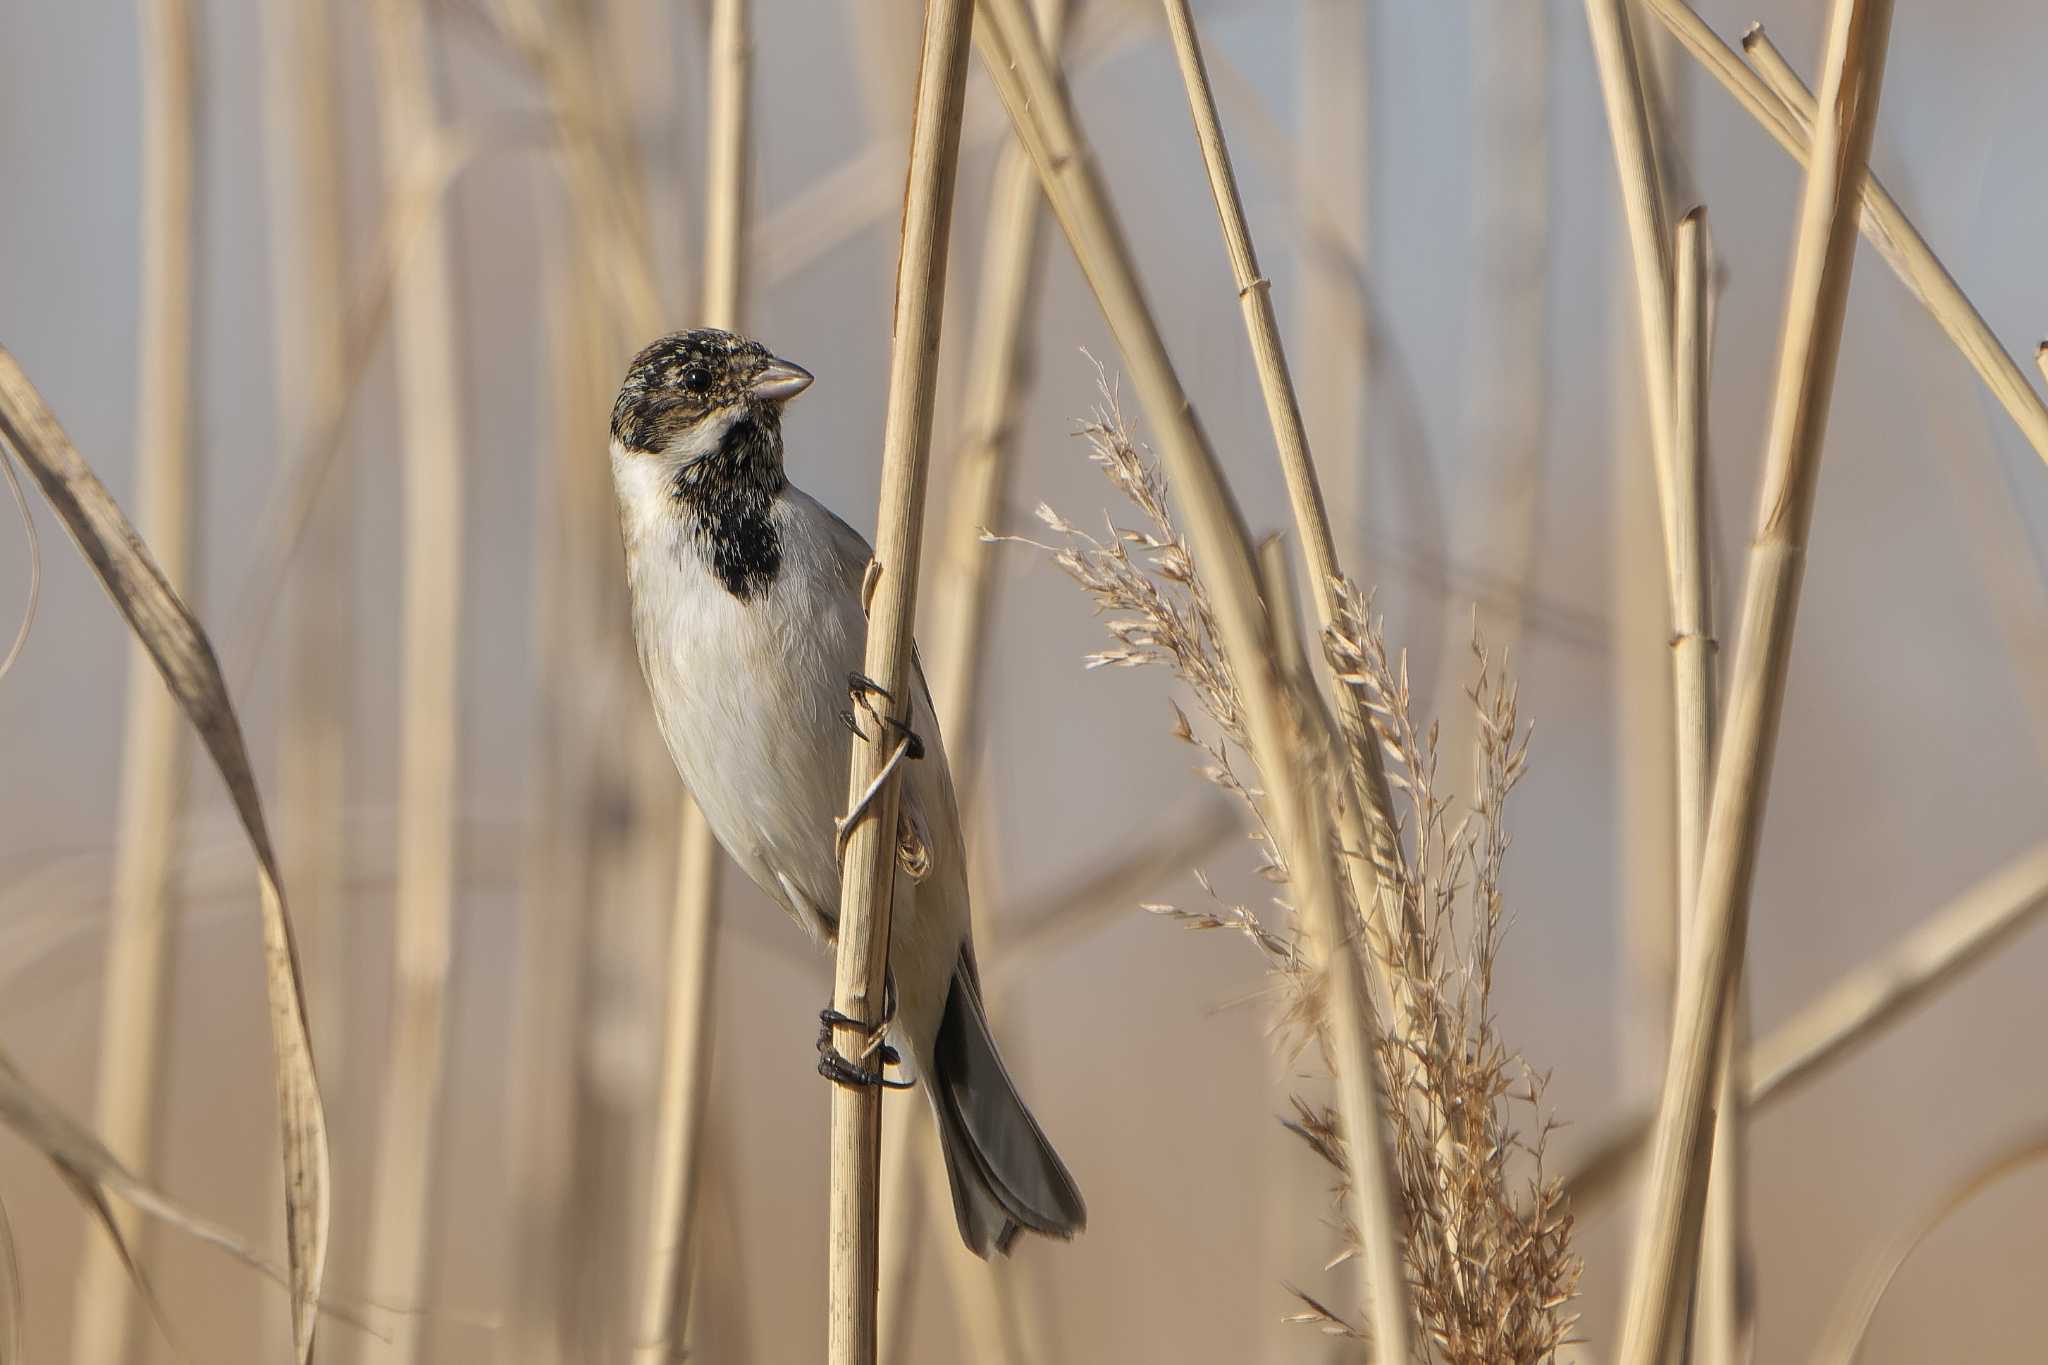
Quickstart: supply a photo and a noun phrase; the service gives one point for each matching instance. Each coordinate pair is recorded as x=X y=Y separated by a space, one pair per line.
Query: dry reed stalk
x=1334 y=136
x=1631 y=125
x=1855 y=1009
x=1849 y=1325
x=664 y=1314
x=1817 y=298
x=185 y=659
x=1883 y=222
x=962 y=603
x=869 y=876
x=1367 y=820
x=400 y=1258
x=136 y=985
x=1721 y=1317
x=1040 y=110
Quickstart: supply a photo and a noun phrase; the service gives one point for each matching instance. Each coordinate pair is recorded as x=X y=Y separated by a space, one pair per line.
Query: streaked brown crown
x=677 y=380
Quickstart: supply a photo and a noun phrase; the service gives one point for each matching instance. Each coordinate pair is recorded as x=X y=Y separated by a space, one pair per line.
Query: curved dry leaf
x=35 y=569
x=185 y=658
x=1850 y=1322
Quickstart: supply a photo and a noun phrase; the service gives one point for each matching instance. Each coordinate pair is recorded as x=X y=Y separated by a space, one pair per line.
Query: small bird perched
x=748 y=611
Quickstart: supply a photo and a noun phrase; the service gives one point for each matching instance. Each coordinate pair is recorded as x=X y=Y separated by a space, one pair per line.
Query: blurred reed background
x=336 y=298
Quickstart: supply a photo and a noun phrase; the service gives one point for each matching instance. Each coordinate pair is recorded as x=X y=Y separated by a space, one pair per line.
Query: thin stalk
x=1372 y=797
x=868 y=880
x=1816 y=300
x=1883 y=222
x=962 y=605
x=1630 y=125
x=1043 y=115
x=136 y=991
x=1720 y=1316
x=664 y=1316
x=431 y=437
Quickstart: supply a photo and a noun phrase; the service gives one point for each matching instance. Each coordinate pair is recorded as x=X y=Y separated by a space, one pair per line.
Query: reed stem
x=869 y=876
x=1817 y=298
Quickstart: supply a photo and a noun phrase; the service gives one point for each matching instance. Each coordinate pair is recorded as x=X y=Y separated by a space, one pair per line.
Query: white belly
x=748 y=694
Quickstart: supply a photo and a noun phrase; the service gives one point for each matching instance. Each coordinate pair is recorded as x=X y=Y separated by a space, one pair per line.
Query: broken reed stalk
x=1043 y=115
x=1816 y=300
x=1719 y=1319
x=431 y=440
x=963 y=599
x=1855 y=1009
x=1630 y=126
x=869 y=875
x=1884 y=223
x=662 y=1329
x=136 y=983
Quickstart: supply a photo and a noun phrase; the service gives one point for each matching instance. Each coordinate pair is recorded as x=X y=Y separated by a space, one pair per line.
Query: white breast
x=748 y=692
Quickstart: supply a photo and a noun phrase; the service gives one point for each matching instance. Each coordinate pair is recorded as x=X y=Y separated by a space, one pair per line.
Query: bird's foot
x=836 y=1067
x=860 y=687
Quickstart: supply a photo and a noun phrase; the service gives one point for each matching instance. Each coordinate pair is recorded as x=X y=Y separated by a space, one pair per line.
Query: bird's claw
x=836 y=1067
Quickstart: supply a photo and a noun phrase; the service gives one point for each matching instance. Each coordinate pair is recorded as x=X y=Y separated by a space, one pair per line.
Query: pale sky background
x=1911 y=764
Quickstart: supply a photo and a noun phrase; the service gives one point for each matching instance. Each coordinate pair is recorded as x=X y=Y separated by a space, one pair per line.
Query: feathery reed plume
x=1883 y=222
x=1043 y=115
x=400 y=1257
x=872 y=797
x=1491 y=1270
x=1816 y=300
x=136 y=986
x=185 y=659
x=670 y=1243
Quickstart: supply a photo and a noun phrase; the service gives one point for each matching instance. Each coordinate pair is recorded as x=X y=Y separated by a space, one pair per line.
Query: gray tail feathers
x=1005 y=1175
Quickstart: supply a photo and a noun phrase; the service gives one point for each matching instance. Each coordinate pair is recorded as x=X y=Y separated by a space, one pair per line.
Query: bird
x=749 y=615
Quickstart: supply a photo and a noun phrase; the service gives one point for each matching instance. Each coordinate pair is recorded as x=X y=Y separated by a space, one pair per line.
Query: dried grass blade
x=185 y=658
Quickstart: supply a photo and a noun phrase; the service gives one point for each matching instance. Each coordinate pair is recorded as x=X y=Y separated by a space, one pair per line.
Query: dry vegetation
x=1386 y=921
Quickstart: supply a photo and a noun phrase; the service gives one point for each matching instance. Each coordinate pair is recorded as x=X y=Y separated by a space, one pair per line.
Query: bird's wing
x=929 y=804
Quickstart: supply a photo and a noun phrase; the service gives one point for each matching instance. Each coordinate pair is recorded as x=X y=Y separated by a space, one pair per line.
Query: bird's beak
x=780 y=381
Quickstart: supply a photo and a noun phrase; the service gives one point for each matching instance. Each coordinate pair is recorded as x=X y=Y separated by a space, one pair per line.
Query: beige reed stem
x=136 y=988
x=870 y=867
x=1043 y=115
x=1884 y=223
x=1630 y=125
x=1720 y=1319
x=962 y=601
x=1817 y=298
x=1368 y=812
x=662 y=1331
x=431 y=438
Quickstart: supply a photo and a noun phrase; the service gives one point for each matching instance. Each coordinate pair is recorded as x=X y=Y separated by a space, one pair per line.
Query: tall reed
x=401 y=1257
x=135 y=996
x=1817 y=298
x=872 y=798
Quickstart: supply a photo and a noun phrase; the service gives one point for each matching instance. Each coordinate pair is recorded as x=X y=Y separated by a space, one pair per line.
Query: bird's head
x=706 y=402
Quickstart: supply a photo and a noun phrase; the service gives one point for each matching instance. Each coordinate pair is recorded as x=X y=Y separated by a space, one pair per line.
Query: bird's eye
x=696 y=379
